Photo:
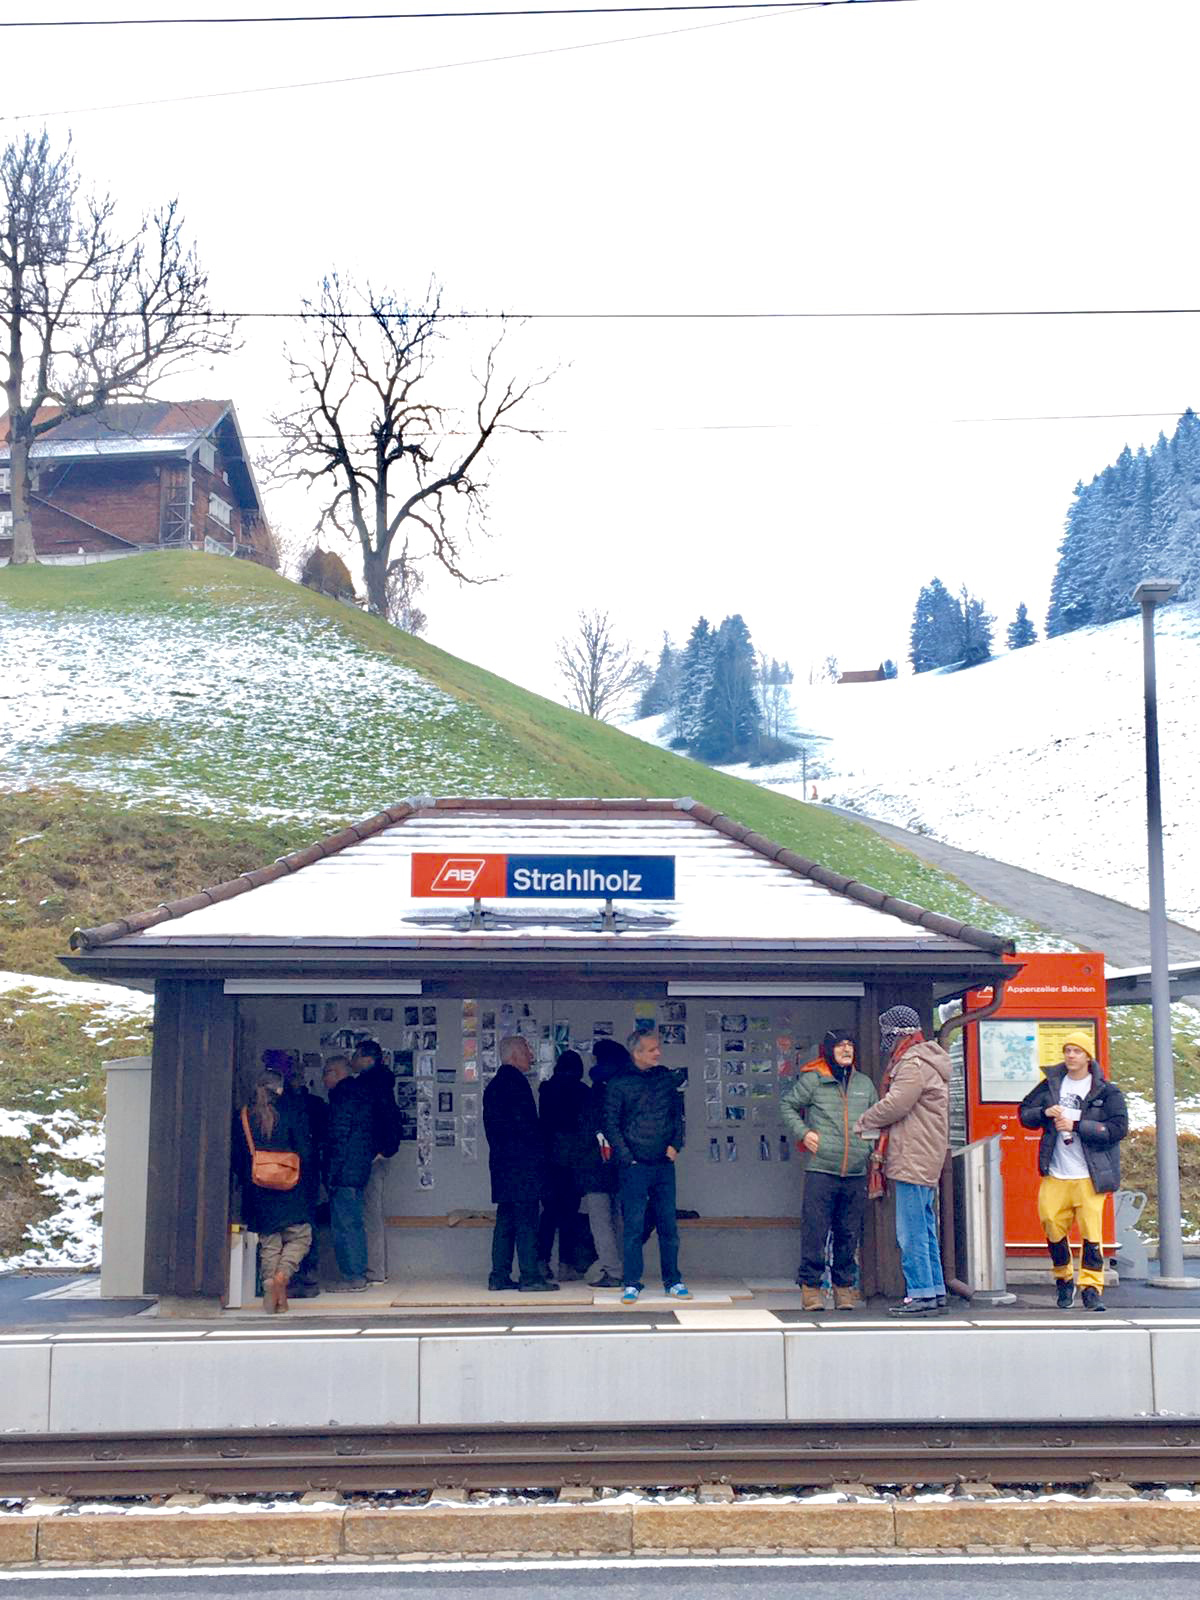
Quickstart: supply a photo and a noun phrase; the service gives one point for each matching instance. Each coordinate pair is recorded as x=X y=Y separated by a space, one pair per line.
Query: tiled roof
x=732 y=885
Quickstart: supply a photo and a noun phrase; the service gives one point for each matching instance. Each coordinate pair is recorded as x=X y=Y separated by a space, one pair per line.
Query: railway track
x=93 y=1466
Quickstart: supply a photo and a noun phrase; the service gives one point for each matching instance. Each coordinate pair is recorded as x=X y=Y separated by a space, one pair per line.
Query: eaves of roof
x=126 y=929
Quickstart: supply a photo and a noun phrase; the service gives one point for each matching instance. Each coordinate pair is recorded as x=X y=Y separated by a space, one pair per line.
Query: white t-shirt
x=1068 y=1160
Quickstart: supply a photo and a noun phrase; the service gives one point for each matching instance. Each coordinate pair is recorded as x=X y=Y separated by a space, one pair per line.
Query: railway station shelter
x=439 y=926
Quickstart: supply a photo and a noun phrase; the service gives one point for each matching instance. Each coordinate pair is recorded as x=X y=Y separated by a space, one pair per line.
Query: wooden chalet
x=155 y=474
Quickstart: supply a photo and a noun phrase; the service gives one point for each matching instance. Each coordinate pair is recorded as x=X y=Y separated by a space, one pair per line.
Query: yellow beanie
x=1083 y=1041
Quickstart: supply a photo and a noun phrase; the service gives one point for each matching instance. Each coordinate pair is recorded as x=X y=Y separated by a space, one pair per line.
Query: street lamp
x=1154 y=592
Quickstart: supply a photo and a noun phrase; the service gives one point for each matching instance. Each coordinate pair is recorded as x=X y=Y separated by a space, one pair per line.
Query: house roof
x=144 y=429
x=735 y=890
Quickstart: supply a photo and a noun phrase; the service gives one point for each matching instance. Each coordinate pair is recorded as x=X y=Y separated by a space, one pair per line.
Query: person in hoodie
x=820 y=1110
x=643 y=1121
x=913 y=1114
x=598 y=1174
x=563 y=1112
x=1082 y=1119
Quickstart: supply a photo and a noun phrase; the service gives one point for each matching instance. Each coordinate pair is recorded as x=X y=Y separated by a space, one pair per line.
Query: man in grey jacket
x=913 y=1113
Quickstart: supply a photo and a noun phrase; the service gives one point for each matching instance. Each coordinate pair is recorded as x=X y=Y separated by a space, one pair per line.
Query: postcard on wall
x=487 y=1041
x=733 y=1022
x=447 y=1074
x=470 y=1072
x=731 y=1147
x=429 y=1016
x=469 y=1148
x=645 y=1011
x=734 y=1068
x=674 y=1011
x=602 y=1030
x=735 y=1045
x=507 y=1015
x=470 y=1127
x=329 y=1011
x=673 y=1033
x=469 y=1048
x=712 y=1022
x=488 y=1019
x=785 y=1044
x=712 y=1069
x=402 y=1063
x=383 y=1014
x=713 y=1115
x=358 y=1014
x=760 y=1024
x=712 y=1094
x=470 y=1012
x=444 y=1125
x=445 y=1103
x=735 y=1113
x=470 y=1104
x=425 y=1064
x=737 y=1090
x=425 y=1178
x=309 y=1012
x=412 y=1016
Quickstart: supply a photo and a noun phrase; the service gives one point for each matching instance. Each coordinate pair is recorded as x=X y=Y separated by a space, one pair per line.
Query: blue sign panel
x=586 y=877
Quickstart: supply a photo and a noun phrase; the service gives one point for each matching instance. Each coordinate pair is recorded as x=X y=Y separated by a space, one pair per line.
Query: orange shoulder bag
x=271 y=1169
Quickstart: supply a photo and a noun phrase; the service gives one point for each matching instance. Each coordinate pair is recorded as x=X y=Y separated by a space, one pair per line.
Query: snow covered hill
x=1036 y=758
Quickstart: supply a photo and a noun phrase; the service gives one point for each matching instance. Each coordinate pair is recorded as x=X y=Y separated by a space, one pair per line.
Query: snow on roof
x=731 y=885
x=149 y=428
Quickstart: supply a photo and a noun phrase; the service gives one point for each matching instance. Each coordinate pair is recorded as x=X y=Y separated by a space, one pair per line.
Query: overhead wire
x=423 y=16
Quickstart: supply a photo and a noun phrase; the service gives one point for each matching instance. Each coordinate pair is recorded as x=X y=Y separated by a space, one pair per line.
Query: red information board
x=1006 y=1056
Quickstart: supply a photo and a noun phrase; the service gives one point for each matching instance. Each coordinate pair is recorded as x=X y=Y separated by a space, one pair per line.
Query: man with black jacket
x=380 y=1084
x=643 y=1119
x=1082 y=1119
x=510 y=1122
x=349 y=1154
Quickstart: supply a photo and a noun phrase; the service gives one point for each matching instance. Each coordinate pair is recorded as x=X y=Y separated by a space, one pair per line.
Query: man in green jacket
x=820 y=1109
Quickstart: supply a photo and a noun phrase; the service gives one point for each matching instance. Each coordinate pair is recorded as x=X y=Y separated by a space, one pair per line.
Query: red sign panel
x=466 y=877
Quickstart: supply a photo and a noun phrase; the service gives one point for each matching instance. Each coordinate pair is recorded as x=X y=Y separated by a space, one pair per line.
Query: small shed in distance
x=758 y=954
x=877 y=675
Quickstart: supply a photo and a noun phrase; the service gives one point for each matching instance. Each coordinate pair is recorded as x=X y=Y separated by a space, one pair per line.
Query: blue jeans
x=648 y=1187
x=349 y=1230
x=917 y=1236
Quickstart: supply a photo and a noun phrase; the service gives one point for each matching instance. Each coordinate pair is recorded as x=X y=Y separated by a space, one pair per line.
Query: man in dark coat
x=598 y=1175
x=368 y=1066
x=349 y=1154
x=643 y=1119
x=510 y=1122
x=563 y=1106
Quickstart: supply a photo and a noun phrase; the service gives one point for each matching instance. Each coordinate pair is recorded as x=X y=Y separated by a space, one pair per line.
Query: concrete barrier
x=224 y=1380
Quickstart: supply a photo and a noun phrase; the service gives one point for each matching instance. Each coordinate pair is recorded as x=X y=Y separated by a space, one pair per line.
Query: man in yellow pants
x=1082 y=1118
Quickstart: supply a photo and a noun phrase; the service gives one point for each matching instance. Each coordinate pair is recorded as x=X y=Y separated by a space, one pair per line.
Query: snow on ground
x=1036 y=758
x=62 y=1137
x=240 y=709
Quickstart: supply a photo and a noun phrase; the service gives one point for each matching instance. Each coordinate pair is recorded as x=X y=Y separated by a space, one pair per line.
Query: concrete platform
x=746 y=1355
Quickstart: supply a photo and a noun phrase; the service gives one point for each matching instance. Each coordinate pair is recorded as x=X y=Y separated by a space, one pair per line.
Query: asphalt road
x=895 y=1578
x=1089 y=920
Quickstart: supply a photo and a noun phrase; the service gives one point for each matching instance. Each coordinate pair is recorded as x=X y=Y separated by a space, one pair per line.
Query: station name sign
x=495 y=877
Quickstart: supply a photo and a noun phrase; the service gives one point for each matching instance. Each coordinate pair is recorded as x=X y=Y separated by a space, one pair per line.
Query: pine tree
x=976 y=630
x=691 y=685
x=1021 y=630
x=937 y=628
x=732 y=716
x=658 y=697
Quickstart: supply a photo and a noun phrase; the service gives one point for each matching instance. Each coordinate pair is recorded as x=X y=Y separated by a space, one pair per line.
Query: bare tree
x=391 y=461
x=598 y=668
x=404 y=583
x=88 y=316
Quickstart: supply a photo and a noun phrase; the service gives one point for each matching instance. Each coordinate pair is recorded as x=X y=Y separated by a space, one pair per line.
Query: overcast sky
x=932 y=155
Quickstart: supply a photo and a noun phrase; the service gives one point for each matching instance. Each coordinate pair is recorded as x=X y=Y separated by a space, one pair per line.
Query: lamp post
x=1151 y=593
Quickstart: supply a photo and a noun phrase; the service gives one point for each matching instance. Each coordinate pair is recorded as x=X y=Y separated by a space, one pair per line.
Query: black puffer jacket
x=1102 y=1125
x=563 y=1109
x=598 y=1176
x=271 y=1210
x=351 y=1148
x=643 y=1114
x=510 y=1121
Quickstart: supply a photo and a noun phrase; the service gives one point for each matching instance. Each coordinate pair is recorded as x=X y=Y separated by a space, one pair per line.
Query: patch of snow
x=1036 y=758
x=62 y=991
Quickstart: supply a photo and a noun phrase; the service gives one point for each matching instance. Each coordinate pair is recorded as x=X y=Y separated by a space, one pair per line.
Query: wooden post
x=191 y=1114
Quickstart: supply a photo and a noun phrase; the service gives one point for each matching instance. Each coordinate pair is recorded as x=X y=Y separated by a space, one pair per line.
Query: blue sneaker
x=630 y=1295
x=679 y=1291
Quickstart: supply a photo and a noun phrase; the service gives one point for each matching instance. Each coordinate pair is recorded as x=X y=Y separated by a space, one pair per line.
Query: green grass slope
x=225 y=714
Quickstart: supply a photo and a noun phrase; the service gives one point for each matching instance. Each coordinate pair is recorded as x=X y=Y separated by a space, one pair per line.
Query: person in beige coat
x=913 y=1115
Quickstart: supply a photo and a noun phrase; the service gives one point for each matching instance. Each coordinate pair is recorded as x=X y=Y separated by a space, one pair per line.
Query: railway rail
x=95 y=1466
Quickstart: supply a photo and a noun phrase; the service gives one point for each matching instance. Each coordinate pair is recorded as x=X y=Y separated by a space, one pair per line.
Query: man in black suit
x=510 y=1121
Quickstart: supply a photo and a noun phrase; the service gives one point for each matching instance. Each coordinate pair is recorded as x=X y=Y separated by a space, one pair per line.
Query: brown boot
x=280 y=1283
x=846 y=1299
x=811 y=1299
x=269 y=1298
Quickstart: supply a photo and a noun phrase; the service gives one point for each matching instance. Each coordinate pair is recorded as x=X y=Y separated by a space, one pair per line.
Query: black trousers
x=560 y=1207
x=516 y=1227
x=831 y=1205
